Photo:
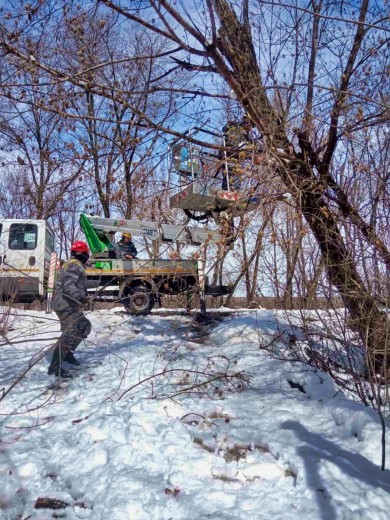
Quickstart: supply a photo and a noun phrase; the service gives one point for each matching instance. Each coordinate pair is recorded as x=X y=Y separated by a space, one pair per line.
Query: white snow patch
x=266 y=451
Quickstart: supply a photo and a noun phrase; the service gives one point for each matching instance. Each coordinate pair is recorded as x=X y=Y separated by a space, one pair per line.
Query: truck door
x=19 y=274
x=22 y=245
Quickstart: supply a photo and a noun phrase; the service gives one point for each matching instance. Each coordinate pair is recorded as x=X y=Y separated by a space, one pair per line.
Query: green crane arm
x=98 y=242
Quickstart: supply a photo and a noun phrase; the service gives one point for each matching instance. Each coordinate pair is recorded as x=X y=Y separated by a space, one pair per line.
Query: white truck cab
x=25 y=250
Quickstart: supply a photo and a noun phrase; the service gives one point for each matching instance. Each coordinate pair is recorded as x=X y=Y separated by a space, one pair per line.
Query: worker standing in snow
x=70 y=297
x=127 y=247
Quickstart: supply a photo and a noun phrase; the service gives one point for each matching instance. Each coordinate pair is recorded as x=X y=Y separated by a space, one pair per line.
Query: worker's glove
x=86 y=303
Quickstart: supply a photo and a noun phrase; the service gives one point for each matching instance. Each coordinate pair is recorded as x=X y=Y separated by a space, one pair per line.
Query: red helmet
x=79 y=247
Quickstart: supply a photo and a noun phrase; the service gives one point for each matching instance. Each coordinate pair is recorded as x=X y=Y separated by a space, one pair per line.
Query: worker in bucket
x=240 y=140
x=70 y=298
x=127 y=248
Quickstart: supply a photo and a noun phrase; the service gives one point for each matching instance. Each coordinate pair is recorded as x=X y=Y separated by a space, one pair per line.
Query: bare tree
x=36 y=152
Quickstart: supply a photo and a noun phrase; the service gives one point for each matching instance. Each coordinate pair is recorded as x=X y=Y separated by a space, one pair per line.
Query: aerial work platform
x=205 y=179
x=204 y=197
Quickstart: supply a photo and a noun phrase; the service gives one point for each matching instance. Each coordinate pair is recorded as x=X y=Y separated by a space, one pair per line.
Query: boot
x=55 y=365
x=69 y=358
x=61 y=372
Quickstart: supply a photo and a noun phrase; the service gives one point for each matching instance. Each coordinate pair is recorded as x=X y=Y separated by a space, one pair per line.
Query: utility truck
x=136 y=283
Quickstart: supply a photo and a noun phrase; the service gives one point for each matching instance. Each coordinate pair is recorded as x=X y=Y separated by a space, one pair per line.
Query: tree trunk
x=366 y=318
x=312 y=285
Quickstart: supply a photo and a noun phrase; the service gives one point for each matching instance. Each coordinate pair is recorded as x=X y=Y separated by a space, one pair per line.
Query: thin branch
x=342 y=94
x=331 y=17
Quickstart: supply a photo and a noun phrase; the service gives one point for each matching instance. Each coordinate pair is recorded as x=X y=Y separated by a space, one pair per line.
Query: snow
x=115 y=442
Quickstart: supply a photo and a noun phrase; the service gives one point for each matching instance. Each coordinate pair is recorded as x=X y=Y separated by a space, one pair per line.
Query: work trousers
x=74 y=328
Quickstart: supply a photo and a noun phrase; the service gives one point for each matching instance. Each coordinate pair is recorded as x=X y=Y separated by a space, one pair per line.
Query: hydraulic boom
x=98 y=229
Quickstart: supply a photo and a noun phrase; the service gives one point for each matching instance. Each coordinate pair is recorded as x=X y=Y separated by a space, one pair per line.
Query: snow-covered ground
x=115 y=443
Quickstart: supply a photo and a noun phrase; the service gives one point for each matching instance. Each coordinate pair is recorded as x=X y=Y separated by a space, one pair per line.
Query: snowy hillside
x=115 y=443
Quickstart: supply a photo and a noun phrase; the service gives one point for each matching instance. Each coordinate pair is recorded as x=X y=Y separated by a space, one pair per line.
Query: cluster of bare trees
x=69 y=147
x=90 y=95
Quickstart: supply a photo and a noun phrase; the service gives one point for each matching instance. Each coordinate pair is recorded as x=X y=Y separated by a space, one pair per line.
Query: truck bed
x=142 y=267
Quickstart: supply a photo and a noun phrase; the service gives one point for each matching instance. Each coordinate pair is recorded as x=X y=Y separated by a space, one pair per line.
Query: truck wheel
x=138 y=300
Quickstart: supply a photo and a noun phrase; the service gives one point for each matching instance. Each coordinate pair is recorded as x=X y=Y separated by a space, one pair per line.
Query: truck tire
x=138 y=300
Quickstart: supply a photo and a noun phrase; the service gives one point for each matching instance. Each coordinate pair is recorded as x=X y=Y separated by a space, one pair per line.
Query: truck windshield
x=23 y=236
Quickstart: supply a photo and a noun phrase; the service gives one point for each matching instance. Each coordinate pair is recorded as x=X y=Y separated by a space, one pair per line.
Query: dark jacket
x=127 y=249
x=238 y=138
x=71 y=286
